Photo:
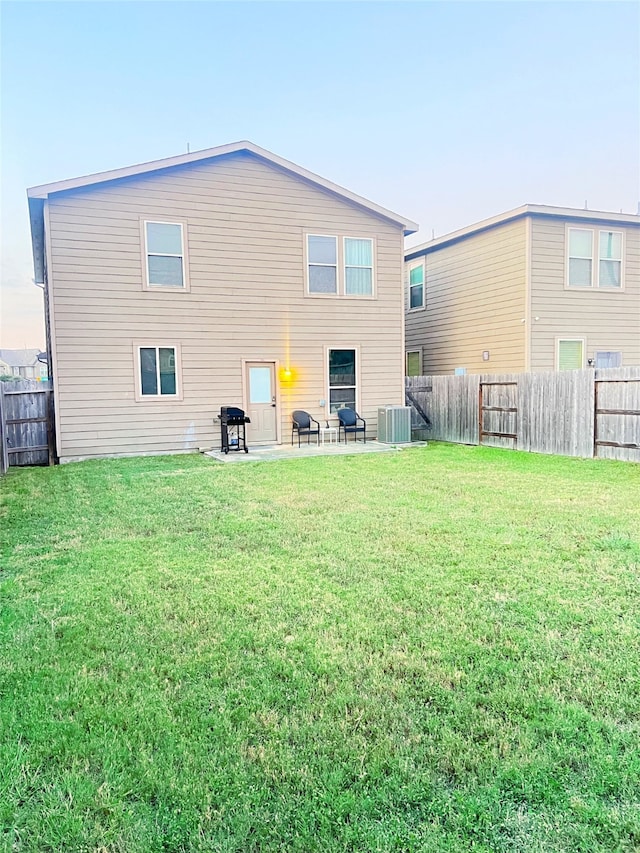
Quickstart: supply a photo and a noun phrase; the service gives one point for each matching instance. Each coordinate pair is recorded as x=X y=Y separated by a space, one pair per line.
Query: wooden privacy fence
x=569 y=413
x=26 y=424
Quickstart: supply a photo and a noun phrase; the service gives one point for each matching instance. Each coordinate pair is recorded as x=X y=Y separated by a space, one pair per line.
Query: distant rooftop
x=538 y=210
x=19 y=357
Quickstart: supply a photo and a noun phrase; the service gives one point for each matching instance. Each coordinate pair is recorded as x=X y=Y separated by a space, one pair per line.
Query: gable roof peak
x=45 y=190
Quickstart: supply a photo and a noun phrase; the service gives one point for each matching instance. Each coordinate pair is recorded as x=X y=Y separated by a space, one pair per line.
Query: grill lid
x=233 y=415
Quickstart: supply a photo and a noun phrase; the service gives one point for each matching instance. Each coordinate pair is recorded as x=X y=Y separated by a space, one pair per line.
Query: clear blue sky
x=446 y=112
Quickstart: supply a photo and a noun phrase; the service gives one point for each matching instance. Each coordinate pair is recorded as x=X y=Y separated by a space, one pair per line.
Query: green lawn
x=432 y=650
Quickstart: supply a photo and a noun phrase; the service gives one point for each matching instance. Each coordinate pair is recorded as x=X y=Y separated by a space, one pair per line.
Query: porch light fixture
x=286 y=375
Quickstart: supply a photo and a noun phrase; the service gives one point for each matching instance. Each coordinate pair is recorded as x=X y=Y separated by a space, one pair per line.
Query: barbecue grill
x=232 y=429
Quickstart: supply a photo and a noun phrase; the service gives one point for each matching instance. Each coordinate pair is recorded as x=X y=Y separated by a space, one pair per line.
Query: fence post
x=4 y=456
x=595 y=416
x=50 y=426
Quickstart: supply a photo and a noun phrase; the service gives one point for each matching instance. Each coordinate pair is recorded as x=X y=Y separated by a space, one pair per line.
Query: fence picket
x=568 y=413
x=4 y=456
x=26 y=423
x=617 y=414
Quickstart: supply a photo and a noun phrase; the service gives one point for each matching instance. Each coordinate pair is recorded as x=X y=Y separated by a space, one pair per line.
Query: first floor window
x=416 y=286
x=607 y=358
x=158 y=371
x=165 y=254
x=414 y=366
x=570 y=354
x=342 y=379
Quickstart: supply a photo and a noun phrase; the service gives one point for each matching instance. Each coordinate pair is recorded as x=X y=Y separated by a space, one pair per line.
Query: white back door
x=260 y=379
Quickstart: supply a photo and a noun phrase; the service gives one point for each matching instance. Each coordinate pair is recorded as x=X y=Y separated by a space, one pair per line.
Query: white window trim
x=595 y=260
x=327 y=349
x=308 y=264
x=601 y=350
x=411 y=265
x=155 y=398
x=565 y=338
x=346 y=295
x=165 y=288
x=340 y=292
x=409 y=352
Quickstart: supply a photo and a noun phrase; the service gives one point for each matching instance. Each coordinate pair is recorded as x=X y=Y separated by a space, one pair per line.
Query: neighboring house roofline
x=38 y=195
x=19 y=357
x=537 y=210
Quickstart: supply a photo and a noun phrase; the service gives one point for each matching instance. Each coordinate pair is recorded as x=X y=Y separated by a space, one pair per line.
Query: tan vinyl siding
x=475 y=301
x=607 y=319
x=246 y=222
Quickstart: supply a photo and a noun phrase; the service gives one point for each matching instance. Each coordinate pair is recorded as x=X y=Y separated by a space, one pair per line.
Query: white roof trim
x=518 y=212
x=44 y=190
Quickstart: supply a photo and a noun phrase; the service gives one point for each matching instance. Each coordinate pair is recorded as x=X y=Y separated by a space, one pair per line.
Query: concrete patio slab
x=287 y=451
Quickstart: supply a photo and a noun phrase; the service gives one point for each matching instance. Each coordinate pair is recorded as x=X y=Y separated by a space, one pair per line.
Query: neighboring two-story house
x=223 y=277
x=538 y=288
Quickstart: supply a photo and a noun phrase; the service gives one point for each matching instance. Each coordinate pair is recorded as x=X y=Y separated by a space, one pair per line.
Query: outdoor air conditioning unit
x=394 y=424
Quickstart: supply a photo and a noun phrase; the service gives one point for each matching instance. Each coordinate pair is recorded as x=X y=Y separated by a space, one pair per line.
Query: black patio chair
x=349 y=420
x=304 y=424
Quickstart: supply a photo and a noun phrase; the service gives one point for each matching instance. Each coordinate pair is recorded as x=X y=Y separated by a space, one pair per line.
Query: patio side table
x=329 y=434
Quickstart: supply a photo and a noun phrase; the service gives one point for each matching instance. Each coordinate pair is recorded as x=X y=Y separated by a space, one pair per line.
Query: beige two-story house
x=536 y=289
x=225 y=277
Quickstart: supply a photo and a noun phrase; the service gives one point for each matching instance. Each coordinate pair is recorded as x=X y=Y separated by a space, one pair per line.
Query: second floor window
x=594 y=258
x=340 y=267
x=358 y=267
x=610 y=259
x=416 y=286
x=164 y=254
x=322 y=253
